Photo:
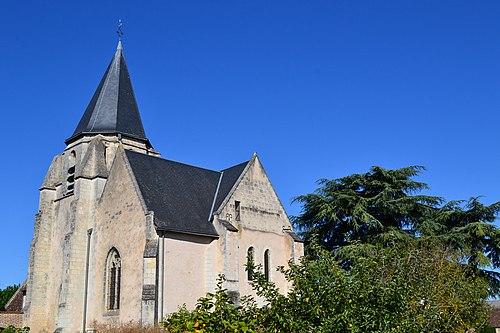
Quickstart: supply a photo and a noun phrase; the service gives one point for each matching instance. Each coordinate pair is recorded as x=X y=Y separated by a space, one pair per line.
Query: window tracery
x=113 y=280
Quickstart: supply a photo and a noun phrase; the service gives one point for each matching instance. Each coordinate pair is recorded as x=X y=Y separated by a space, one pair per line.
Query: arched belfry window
x=113 y=280
x=70 y=180
x=267 y=264
x=250 y=263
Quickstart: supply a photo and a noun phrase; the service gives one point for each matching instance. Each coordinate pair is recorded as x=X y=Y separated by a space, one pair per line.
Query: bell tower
x=60 y=250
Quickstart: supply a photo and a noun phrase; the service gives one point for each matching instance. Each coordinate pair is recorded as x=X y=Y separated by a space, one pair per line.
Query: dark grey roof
x=295 y=237
x=228 y=225
x=113 y=108
x=229 y=178
x=180 y=195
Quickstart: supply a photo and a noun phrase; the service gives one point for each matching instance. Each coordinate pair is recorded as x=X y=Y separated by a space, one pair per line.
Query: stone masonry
x=122 y=235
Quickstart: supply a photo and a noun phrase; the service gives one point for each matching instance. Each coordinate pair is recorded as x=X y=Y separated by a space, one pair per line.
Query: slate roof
x=228 y=225
x=230 y=176
x=180 y=195
x=295 y=237
x=113 y=108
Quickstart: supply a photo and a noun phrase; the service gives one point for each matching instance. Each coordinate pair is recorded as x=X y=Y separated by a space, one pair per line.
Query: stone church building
x=123 y=235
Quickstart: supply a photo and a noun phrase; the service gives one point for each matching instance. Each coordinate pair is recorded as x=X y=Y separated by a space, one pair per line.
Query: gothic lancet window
x=267 y=266
x=250 y=263
x=113 y=280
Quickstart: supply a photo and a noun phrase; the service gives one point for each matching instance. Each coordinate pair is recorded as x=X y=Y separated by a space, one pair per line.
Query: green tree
x=380 y=204
x=468 y=226
x=386 y=207
x=6 y=294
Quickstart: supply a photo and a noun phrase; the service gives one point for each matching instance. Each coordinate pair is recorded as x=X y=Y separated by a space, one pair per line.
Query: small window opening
x=267 y=266
x=250 y=263
x=106 y=154
x=24 y=298
x=113 y=280
x=70 y=180
x=238 y=210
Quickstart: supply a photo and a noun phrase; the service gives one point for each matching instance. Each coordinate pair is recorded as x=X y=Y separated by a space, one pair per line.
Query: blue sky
x=319 y=89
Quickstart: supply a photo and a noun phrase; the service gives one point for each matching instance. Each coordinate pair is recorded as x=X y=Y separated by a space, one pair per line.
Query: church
x=123 y=235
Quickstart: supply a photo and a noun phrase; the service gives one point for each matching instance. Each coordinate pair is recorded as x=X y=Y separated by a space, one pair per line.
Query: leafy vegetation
x=215 y=313
x=6 y=294
x=386 y=207
x=12 y=329
x=406 y=288
x=381 y=257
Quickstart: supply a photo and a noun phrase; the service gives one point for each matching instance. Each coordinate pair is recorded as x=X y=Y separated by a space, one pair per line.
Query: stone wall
x=262 y=224
x=56 y=283
x=111 y=205
x=123 y=224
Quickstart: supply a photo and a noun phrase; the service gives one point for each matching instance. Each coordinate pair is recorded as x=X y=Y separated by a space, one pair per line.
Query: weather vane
x=119 y=32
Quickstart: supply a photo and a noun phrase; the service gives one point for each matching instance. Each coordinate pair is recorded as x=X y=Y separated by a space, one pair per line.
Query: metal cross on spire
x=119 y=32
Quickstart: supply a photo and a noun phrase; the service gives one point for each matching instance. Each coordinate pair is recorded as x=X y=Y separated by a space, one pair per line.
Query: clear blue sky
x=319 y=89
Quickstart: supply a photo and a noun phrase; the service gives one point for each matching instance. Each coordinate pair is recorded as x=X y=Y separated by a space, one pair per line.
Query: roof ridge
x=236 y=165
x=215 y=196
x=173 y=161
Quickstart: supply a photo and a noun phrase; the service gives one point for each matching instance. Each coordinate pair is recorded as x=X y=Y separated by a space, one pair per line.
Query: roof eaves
x=228 y=225
x=186 y=232
x=295 y=237
x=79 y=135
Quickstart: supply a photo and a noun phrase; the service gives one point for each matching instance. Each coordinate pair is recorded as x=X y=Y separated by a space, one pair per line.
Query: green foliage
x=406 y=288
x=387 y=259
x=378 y=206
x=385 y=207
x=214 y=313
x=12 y=329
x=6 y=294
x=411 y=288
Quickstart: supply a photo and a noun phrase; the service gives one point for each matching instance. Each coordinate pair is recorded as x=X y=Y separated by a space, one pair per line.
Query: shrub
x=214 y=313
x=12 y=329
x=412 y=288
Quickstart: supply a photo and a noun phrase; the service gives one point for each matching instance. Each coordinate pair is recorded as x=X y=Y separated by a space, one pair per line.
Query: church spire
x=113 y=108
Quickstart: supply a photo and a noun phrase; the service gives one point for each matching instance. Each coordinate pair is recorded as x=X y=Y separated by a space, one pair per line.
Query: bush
x=12 y=329
x=412 y=288
x=214 y=313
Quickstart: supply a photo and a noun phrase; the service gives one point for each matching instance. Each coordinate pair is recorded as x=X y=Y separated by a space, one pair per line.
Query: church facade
x=123 y=235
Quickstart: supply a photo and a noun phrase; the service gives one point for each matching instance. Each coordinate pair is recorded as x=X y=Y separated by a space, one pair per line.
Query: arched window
x=250 y=263
x=113 y=280
x=267 y=264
